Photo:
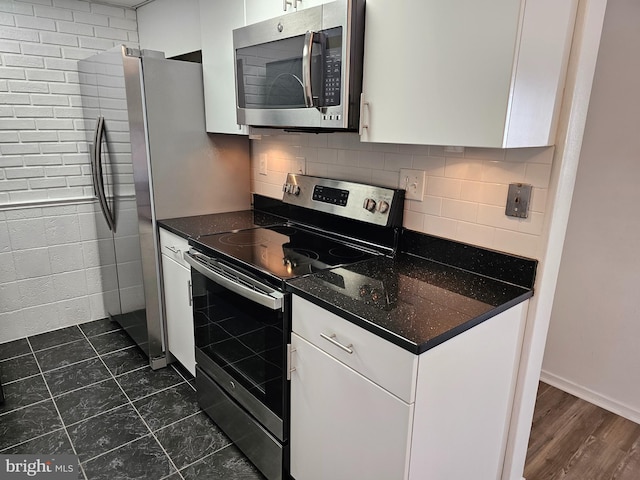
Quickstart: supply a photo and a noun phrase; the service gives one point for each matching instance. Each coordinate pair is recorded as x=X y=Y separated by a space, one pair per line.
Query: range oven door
x=241 y=335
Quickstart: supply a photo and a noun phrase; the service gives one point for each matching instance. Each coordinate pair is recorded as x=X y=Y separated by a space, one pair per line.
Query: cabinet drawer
x=382 y=362
x=173 y=246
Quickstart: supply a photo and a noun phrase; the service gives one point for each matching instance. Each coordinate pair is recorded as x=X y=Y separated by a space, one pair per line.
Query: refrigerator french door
x=151 y=159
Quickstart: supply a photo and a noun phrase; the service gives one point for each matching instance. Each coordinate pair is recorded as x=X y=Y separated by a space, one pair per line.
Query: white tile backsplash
x=465 y=193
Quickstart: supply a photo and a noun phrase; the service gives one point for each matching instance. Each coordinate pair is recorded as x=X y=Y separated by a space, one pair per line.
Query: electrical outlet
x=262 y=168
x=300 y=165
x=413 y=183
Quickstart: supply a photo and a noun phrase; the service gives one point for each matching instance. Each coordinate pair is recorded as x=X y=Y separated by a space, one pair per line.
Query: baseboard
x=591 y=396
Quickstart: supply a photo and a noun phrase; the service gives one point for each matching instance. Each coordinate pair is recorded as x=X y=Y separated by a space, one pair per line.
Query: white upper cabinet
x=259 y=10
x=302 y=4
x=169 y=26
x=217 y=21
x=463 y=72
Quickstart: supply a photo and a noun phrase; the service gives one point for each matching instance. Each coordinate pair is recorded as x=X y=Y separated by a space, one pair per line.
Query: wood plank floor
x=574 y=440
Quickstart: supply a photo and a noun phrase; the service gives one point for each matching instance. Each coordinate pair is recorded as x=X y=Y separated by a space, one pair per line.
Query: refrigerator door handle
x=99 y=178
x=94 y=156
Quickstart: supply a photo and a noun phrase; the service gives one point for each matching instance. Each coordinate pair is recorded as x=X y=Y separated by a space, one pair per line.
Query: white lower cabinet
x=344 y=426
x=177 y=300
x=452 y=424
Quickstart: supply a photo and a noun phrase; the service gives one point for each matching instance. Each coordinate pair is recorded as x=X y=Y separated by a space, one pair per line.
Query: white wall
x=48 y=262
x=169 y=26
x=593 y=343
x=465 y=193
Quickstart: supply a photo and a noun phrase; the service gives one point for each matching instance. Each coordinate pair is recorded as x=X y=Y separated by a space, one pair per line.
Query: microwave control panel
x=332 y=67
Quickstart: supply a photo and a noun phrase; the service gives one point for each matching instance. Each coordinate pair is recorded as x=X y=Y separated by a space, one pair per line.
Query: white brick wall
x=40 y=111
x=50 y=273
x=465 y=194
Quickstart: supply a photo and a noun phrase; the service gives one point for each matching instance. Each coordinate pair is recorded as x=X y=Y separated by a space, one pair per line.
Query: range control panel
x=359 y=201
x=332 y=196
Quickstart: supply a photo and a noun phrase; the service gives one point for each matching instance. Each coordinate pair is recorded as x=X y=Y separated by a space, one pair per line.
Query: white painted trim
x=591 y=396
x=58 y=202
x=582 y=64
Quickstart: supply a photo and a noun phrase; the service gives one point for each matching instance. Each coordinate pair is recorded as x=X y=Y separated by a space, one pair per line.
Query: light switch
x=518 y=200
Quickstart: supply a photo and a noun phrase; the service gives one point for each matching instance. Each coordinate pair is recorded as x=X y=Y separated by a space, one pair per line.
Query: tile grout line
x=30 y=439
x=184 y=378
x=207 y=455
x=150 y=434
x=86 y=359
x=57 y=411
x=20 y=379
x=137 y=412
x=117 y=406
x=23 y=407
x=15 y=356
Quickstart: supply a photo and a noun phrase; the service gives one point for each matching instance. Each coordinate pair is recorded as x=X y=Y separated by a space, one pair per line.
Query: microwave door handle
x=306 y=69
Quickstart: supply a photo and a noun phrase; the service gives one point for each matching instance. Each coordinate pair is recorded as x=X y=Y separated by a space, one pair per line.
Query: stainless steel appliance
x=302 y=69
x=242 y=309
x=151 y=159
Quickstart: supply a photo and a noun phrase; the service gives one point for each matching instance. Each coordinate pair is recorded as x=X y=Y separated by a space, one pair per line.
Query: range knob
x=296 y=190
x=383 y=207
x=369 y=204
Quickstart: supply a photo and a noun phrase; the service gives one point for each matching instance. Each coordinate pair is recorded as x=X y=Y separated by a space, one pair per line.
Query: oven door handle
x=272 y=300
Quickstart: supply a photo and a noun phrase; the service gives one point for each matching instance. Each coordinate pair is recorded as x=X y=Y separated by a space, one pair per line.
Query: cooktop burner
x=283 y=251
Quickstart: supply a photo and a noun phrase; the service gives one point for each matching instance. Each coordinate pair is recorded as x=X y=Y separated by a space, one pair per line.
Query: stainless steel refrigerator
x=151 y=159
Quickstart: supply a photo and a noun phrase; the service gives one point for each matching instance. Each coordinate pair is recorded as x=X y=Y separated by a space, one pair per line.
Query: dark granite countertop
x=413 y=302
x=197 y=226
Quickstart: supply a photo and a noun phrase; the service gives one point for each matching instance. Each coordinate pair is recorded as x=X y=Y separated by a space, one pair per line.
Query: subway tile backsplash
x=465 y=192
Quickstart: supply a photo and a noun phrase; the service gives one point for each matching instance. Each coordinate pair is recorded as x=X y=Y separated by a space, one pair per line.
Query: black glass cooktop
x=282 y=251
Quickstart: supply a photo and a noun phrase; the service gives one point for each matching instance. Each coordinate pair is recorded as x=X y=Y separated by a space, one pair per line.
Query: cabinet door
x=465 y=73
x=169 y=26
x=432 y=74
x=259 y=10
x=179 y=315
x=217 y=21
x=302 y=4
x=343 y=426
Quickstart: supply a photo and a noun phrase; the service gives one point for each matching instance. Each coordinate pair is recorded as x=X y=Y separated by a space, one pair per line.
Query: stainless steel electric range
x=242 y=308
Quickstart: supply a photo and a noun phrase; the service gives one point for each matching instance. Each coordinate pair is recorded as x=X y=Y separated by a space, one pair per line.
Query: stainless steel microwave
x=302 y=70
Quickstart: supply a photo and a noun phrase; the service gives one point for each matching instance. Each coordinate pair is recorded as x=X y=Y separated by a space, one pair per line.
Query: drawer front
x=377 y=359
x=174 y=246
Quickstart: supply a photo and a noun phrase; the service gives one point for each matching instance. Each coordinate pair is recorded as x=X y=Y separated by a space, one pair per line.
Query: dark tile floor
x=87 y=390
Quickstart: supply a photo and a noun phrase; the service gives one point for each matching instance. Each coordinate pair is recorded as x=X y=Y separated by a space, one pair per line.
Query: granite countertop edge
x=398 y=339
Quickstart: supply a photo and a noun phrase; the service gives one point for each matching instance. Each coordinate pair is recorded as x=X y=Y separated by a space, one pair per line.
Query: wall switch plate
x=300 y=165
x=412 y=181
x=262 y=167
x=518 y=200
